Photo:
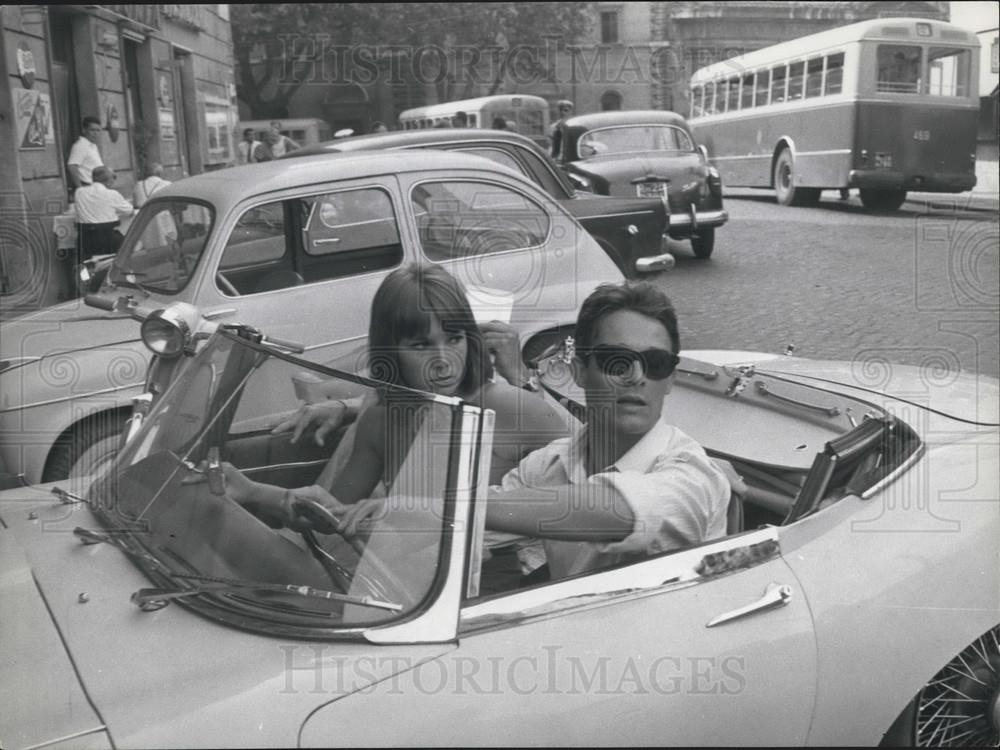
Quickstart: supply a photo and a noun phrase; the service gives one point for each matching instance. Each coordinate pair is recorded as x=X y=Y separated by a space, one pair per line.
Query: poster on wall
x=33 y=112
x=167 y=131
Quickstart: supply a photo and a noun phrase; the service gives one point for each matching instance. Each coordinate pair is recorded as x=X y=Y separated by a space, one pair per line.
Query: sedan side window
x=462 y=219
x=305 y=240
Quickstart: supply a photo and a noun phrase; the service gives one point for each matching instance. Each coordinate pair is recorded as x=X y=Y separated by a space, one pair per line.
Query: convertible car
x=648 y=153
x=299 y=246
x=632 y=230
x=855 y=598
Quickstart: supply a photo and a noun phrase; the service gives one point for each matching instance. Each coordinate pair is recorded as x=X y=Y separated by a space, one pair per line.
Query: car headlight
x=168 y=332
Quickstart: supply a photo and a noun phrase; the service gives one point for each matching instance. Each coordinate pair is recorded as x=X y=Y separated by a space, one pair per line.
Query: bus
x=530 y=114
x=885 y=106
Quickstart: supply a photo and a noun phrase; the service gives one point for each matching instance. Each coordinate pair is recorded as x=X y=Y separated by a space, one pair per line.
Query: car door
x=304 y=265
x=619 y=657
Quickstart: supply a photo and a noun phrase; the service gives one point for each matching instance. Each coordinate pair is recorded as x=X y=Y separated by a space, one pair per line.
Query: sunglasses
x=619 y=361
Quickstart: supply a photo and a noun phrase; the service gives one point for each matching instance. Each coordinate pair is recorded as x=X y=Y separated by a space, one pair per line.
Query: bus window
x=710 y=100
x=473 y=121
x=814 y=77
x=746 y=98
x=697 y=97
x=778 y=81
x=834 y=74
x=733 y=98
x=948 y=71
x=796 y=71
x=898 y=68
x=763 y=82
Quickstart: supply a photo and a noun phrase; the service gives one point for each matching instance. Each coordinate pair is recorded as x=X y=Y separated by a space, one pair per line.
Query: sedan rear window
x=634 y=138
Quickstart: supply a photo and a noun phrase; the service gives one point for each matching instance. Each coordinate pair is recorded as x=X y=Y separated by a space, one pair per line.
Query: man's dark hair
x=90 y=120
x=638 y=296
x=461 y=117
x=247 y=130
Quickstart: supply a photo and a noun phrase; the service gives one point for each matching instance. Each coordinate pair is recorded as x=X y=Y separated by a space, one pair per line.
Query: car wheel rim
x=960 y=707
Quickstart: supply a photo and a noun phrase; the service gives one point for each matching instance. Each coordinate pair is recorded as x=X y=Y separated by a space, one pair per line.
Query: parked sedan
x=297 y=247
x=648 y=154
x=856 y=600
x=632 y=230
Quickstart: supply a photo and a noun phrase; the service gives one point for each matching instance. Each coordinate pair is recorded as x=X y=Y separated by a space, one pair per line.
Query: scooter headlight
x=167 y=332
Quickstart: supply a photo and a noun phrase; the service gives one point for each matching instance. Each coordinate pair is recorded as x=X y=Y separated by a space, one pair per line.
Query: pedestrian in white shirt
x=98 y=213
x=250 y=150
x=84 y=156
x=153 y=181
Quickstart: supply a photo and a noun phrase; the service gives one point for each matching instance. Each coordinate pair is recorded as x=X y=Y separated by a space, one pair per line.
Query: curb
x=986 y=203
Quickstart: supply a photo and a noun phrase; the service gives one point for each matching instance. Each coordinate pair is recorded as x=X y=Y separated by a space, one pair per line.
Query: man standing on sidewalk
x=84 y=156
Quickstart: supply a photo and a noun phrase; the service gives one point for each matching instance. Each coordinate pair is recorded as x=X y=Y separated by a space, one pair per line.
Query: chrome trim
x=765 y=390
x=651 y=577
x=65 y=737
x=775 y=595
x=709 y=218
x=651 y=263
x=78 y=396
x=439 y=622
x=896 y=473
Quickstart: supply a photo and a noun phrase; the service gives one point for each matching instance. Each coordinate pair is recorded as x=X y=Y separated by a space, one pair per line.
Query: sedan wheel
x=785 y=189
x=960 y=706
x=703 y=243
x=90 y=447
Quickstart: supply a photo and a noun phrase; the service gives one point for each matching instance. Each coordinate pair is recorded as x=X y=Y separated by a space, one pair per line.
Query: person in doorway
x=85 y=156
x=565 y=109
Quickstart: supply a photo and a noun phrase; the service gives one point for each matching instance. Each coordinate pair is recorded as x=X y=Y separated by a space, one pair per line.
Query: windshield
x=188 y=532
x=163 y=246
x=633 y=138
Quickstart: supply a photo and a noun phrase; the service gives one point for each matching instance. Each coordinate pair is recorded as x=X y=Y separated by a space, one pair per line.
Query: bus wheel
x=882 y=200
x=703 y=243
x=785 y=189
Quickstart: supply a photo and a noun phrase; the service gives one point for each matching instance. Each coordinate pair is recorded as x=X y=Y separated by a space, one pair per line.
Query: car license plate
x=651 y=190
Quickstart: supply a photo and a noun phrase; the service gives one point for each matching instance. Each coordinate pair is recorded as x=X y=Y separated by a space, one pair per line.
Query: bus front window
x=898 y=69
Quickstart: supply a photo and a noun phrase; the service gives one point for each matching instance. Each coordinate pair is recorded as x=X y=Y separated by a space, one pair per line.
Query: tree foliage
x=460 y=46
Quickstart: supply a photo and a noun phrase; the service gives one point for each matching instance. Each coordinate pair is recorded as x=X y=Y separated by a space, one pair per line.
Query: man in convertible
x=629 y=484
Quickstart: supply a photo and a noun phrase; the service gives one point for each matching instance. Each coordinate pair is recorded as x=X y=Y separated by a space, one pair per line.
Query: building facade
x=159 y=78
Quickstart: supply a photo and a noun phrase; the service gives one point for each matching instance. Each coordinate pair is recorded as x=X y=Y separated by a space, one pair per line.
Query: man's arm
x=592 y=512
x=73 y=170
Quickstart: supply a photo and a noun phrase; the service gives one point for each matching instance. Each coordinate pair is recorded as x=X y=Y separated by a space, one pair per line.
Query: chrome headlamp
x=168 y=332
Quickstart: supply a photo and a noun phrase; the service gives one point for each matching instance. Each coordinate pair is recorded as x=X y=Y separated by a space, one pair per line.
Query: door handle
x=775 y=595
x=327 y=241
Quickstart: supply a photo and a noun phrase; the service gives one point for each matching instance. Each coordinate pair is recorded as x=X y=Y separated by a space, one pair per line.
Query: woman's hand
x=325 y=417
x=503 y=342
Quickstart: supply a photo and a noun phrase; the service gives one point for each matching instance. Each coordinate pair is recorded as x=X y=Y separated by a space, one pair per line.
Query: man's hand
x=503 y=342
x=325 y=417
x=362 y=510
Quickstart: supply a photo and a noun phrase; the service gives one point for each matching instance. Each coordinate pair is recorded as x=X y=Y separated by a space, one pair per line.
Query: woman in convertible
x=422 y=335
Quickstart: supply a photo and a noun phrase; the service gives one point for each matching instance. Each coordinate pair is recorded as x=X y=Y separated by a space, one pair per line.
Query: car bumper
x=689 y=223
x=887 y=179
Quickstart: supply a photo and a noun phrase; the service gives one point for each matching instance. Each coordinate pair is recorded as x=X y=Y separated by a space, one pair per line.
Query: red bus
x=885 y=106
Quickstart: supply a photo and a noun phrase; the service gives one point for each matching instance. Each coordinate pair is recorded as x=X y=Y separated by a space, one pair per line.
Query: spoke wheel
x=960 y=706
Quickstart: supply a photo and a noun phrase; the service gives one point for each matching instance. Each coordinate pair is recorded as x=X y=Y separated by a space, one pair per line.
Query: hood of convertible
x=82 y=664
x=958 y=394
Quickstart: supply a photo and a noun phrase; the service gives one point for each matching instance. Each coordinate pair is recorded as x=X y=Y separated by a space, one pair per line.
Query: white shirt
x=677 y=495
x=85 y=155
x=145 y=188
x=246 y=151
x=279 y=148
x=96 y=204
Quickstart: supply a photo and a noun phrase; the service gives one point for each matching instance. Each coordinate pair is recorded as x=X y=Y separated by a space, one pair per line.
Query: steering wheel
x=226 y=284
x=326 y=523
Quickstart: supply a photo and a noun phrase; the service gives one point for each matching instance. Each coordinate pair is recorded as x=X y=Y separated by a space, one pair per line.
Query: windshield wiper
x=150 y=600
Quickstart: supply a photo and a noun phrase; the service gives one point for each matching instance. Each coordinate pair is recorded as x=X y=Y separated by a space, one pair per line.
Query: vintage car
x=648 y=153
x=855 y=597
x=298 y=246
x=633 y=231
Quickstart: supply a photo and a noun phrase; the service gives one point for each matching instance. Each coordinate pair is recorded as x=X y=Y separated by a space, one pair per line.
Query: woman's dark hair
x=403 y=307
x=638 y=296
